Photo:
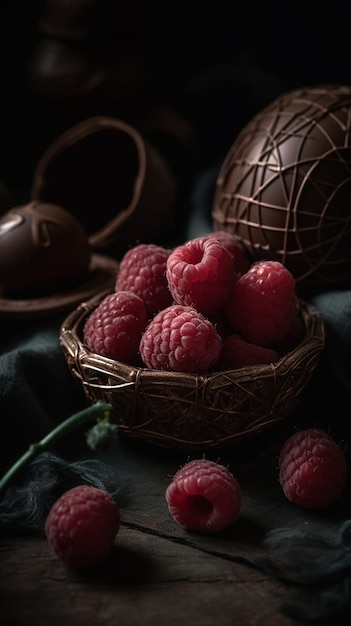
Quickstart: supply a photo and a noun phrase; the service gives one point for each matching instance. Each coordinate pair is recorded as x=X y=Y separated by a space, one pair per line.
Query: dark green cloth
x=37 y=389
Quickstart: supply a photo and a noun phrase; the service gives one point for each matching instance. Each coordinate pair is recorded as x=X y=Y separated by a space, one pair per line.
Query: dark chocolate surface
x=284 y=188
x=43 y=249
x=46 y=263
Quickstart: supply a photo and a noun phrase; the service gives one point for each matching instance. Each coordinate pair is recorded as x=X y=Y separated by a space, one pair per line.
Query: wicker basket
x=189 y=411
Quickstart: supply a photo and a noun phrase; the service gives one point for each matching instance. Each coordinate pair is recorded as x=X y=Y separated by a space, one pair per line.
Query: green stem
x=98 y=411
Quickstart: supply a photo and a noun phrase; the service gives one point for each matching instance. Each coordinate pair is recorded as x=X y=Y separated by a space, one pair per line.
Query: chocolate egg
x=43 y=250
x=284 y=188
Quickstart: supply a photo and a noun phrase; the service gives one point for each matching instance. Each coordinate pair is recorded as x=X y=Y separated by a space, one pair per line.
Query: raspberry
x=204 y=496
x=200 y=274
x=292 y=337
x=235 y=249
x=142 y=270
x=82 y=525
x=312 y=468
x=236 y=352
x=262 y=303
x=179 y=338
x=114 y=328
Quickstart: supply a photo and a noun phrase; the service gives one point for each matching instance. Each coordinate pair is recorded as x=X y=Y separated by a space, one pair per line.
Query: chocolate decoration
x=101 y=276
x=284 y=188
x=117 y=184
x=43 y=250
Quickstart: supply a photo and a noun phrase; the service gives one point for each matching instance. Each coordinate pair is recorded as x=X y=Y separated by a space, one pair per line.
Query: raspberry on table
x=142 y=270
x=82 y=525
x=236 y=353
x=235 y=248
x=180 y=339
x=262 y=303
x=204 y=496
x=312 y=468
x=114 y=328
x=200 y=274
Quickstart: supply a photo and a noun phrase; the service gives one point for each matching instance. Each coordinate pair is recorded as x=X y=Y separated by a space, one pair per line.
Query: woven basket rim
x=193 y=411
x=71 y=331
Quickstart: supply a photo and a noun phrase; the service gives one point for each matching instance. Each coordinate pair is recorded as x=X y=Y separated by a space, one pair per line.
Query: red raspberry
x=143 y=271
x=262 y=303
x=179 y=338
x=114 y=328
x=204 y=496
x=312 y=468
x=82 y=525
x=236 y=352
x=200 y=274
x=235 y=249
x=292 y=337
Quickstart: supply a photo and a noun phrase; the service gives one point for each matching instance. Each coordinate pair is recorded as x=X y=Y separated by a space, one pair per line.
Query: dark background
x=214 y=63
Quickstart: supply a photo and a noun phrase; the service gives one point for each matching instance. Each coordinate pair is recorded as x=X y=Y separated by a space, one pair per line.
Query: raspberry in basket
x=262 y=303
x=82 y=525
x=114 y=328
x=235 y=248
x=200 y=274
x=292 y=338
x=236 y=353
x=143 y=271
x=312 y=468
x=179 y=338
x=204 y=496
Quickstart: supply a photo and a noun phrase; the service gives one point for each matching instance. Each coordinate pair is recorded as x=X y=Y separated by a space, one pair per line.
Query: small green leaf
x=102 y=436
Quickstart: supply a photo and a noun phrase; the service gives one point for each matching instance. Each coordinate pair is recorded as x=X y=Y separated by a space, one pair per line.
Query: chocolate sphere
x=284 y=188
x=43 y=250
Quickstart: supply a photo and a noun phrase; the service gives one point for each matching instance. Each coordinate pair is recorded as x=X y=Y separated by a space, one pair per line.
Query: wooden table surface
x=158 y=572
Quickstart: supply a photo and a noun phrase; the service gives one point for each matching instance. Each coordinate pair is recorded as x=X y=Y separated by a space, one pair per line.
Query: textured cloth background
x=37 y=389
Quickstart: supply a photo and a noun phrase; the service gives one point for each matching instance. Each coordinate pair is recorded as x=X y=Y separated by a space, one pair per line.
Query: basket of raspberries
x=196 y=346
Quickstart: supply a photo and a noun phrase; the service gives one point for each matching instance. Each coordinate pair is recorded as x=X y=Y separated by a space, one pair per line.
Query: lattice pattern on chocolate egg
x=285 y=186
